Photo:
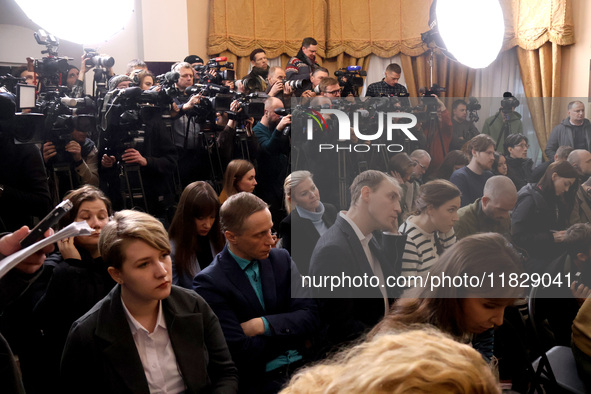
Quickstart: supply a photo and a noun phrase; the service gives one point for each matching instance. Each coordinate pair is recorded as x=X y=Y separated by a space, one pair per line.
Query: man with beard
x=472 y=178
x=272 y=160
x=304 y=63
x=256 y=81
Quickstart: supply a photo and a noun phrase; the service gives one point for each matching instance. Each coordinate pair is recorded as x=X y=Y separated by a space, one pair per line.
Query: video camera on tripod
x=509 y=103
x=472 y=107
x=351 y=79
x=126 y=117
x=253 y=106
x=51 y=70
x=215 y=64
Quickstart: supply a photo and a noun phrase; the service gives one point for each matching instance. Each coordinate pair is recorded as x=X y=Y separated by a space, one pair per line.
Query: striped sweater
x=420 y=253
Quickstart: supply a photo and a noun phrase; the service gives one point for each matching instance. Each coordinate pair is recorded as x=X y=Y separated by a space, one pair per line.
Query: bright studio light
x=472 y=31
x=79 y=21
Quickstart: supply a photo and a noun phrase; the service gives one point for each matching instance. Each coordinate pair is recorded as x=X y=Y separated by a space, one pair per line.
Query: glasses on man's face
x=338 y=91
x=523 y=145
x=420 y=165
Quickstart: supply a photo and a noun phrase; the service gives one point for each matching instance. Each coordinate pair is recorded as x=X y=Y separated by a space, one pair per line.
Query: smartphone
x=48 y=221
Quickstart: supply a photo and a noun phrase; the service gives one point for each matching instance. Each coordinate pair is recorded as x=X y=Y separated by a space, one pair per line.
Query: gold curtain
x=360 y=28
x=239 y=26
x=380 y=27
x=540 y=71
x=454 y=76
x=529 y=24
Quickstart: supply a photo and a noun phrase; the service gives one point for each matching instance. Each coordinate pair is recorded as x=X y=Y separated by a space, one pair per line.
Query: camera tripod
x=133 y=192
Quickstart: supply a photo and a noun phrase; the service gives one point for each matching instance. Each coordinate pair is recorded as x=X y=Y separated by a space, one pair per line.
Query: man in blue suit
x=253 y=289
x=350 y=249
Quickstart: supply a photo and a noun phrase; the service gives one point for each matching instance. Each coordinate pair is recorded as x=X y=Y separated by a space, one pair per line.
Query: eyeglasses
x=522 y=145
x=420 y=165
x=333 y=91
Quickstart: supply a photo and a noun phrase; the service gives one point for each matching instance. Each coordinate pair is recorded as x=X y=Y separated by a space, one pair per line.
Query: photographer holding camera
x=256 y=80
x=141 y=145
x=277 y=87
x=192 y=162
x=273 y=162
x=504 y=122
x=81 y=156
x=389 y=85
x=463 y=129
x=229 y=142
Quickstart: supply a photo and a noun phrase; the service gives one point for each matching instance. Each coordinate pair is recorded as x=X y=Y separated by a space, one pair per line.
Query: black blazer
x=292 y=320
x=299 y=236
x=101 y=357
x=356 y=310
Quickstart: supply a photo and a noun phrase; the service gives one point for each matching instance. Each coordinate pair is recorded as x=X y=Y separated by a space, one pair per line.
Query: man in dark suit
x=348 y=249
x=256 y=293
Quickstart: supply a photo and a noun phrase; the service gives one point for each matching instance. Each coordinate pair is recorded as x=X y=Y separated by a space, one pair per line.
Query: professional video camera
x=51 y=70
x=253 y=106
x=351 y=79
x=126 y=116
x=508 y=103
x=205 y=74
x=472 y=107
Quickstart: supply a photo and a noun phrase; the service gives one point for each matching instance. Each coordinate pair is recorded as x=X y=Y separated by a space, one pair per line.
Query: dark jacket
x=535 y=216
x=302 y=235
x=519 y=171
x=556 y=303
x=26 y=192
x=161 y=157
x=71 y=288
x=562 y=134
x=291 y=314
x=356 y=310
x=581 y=212
x=101 y=357
x=12 y=286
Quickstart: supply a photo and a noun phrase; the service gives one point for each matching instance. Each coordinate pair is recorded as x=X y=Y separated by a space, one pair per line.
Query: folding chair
x=556 y=367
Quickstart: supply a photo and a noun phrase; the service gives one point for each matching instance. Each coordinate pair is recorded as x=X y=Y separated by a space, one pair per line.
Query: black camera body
x=217 y=65
x=509 y=103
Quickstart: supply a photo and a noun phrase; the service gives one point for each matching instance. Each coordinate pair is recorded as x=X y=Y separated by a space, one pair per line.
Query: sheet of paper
x=73 y=230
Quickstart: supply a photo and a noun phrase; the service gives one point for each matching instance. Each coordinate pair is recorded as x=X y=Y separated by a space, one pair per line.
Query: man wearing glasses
x=329 y=87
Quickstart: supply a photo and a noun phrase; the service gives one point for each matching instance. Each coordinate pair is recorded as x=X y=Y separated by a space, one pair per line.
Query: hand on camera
x=194 y=100
x=75 y=149
x=276 y=88
x=133 y=156
x=108 y=161
x=287 y=90
x=49 y=151
x=10 y=244
x=286 y=120
x=308 y=93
